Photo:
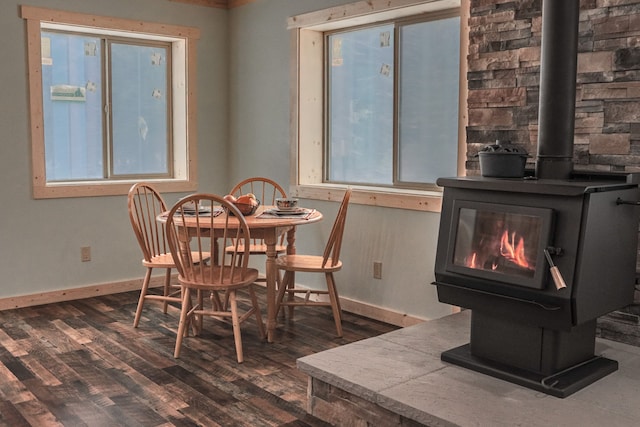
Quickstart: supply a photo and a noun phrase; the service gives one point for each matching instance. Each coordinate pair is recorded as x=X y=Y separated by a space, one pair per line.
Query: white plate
x=188 y=210
x=191 y=207
x=200 y=210
x=296 y=211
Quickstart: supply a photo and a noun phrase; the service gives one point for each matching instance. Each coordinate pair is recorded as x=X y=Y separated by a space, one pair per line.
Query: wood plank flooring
x=81 y=363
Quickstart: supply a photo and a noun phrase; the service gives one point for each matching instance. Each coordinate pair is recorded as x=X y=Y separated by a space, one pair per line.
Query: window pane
x=428 y=109
x=139 y=109
x=360 y=106
x=72 y=100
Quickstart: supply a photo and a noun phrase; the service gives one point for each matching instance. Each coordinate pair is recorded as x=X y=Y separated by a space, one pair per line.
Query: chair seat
x=160 y=261
x=166 y=260
x=257 y=249
x=308 y=263
x=227 y=282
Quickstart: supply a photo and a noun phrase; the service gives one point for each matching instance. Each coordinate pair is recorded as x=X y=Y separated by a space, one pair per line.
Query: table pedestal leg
x=291 y=250
x=271 y=272
x=270 y=241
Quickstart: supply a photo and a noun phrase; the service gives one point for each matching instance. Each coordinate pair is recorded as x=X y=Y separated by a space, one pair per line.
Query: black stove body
x=537 y=261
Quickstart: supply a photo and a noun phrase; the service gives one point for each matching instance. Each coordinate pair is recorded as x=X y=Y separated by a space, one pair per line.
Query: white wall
x=243 y=129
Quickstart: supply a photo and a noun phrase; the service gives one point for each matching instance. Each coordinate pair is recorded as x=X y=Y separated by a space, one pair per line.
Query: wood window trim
x=220 y=4
x=41 y=189
x=306 y=100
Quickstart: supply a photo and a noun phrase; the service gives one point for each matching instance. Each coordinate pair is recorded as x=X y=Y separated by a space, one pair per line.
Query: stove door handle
x=619 y=201
x=558 y=280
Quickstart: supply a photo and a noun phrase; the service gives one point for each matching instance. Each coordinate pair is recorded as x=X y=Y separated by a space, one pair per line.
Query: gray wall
x=405 y=241
x=40 y=240
x=243 y=129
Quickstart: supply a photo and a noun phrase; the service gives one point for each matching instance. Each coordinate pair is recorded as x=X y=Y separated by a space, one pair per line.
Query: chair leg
x=182 y=326
x=200 y=317
x=281 y=290
x=191 y=324
x=335 y=303
x=216 y=302
x=256 y=309
x=225 y=306
x=143 y=294
x=278 y=286
x=167 y=289
x=291 y=284
x=233 y=303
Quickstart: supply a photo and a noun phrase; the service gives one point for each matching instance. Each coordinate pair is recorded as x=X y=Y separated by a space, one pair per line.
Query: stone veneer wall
x=503 y=79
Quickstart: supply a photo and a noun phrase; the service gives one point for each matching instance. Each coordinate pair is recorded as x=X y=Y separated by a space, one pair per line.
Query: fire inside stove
x=500 y=242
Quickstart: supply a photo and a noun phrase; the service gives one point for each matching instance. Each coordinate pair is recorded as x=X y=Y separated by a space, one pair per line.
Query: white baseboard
x=370 y=311
x=379 y=313
x=62 y=295
x=352 y=306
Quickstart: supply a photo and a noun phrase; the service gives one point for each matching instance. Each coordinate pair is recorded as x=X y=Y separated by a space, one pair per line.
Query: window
x=379 y=102
x=363 y=68
x=109 y=104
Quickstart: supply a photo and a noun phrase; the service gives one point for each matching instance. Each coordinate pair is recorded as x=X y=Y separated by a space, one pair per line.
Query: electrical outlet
x=377 y=270
x=85 y=253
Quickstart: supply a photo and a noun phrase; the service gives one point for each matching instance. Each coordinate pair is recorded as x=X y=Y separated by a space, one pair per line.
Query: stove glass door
x=500 y=242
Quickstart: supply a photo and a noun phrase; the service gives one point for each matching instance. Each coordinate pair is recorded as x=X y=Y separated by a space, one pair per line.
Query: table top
x=255 y=221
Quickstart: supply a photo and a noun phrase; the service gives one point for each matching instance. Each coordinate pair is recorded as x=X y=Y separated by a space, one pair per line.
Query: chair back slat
x=232 y=231
x=144 y=204
x=334 y=243
x=266 y=190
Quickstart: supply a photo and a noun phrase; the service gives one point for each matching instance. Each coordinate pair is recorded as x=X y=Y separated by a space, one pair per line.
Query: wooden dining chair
x=267 y=191
x=327 y=264
x=144 y=204
x=223 y=274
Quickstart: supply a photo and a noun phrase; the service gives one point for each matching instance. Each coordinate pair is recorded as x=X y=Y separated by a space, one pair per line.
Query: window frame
x=183 y=41
x=307 y=99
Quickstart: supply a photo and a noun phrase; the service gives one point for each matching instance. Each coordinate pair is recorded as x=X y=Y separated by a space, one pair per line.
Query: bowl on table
x=247 y=209
x=286 y=203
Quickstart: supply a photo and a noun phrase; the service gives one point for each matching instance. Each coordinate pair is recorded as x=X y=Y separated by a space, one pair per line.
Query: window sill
x=93 y=189
x=426 y=201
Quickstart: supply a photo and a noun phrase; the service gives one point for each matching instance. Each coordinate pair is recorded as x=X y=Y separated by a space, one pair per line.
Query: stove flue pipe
x=558 y=67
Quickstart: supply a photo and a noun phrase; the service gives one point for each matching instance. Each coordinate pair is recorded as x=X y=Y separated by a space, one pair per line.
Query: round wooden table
x=269 y=228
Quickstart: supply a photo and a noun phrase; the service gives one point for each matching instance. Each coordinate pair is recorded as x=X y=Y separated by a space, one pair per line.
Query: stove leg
x=558 y=363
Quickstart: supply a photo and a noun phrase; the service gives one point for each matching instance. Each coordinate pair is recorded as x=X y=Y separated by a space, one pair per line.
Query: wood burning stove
x=538 y=259
x=499 y=239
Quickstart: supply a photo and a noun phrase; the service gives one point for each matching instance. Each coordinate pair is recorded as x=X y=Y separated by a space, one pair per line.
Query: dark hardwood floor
x=81 y=363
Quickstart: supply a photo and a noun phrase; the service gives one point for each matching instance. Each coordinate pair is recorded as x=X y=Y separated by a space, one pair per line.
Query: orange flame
x=472 y=261
x=512 y=251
